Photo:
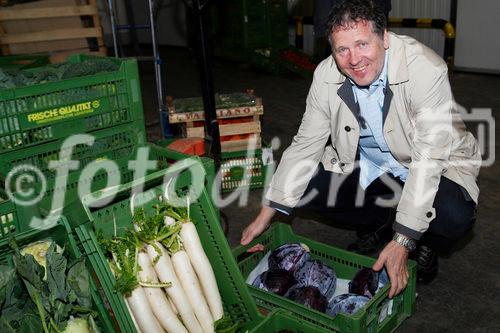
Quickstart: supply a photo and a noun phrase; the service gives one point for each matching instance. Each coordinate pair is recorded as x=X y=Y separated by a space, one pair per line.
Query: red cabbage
x=317 y=274
x=277 y=281
x=308 y=296
x=289 y=256
x=346 y=303
x=365 y=282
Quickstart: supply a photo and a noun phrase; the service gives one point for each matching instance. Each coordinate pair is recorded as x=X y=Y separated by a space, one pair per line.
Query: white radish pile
x=157 y=298
x=192 y=245
x=165 y=275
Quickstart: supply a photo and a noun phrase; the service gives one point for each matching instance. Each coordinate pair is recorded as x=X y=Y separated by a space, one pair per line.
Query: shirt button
x=333 y=160
x=347 y=129
x=429 y=214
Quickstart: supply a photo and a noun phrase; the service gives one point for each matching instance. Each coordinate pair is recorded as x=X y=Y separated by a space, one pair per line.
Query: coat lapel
x=346 y=94
x=388 y=94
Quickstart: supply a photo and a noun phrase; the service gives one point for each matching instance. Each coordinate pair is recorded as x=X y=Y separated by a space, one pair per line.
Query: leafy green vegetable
x=28 y=303
x=124 y=251
x=55 y=72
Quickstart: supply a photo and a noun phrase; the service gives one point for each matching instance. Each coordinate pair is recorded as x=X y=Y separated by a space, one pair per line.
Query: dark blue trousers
x=455 y=210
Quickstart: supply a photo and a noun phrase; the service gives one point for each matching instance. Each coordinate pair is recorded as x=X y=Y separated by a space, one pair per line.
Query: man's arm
x=301 y=158
x=431 y=102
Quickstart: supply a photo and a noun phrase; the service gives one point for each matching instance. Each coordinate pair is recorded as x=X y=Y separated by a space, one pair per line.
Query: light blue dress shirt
x=375 y=157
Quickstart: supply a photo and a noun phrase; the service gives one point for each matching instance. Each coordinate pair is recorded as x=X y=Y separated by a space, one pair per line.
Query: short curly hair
x=347 y=11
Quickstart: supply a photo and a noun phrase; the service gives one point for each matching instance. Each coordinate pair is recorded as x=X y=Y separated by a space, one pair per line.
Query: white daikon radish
x=157 y=298
x=173 y=306
x=191 y=286
x=133 y=318
x=142 y=312
x=165 y=272
x=201 y=264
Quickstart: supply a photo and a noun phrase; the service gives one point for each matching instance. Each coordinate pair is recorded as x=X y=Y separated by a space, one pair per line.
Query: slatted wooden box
x=238 y=116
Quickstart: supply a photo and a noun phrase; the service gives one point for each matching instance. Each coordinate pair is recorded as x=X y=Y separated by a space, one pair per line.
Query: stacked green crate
x=105 y=107
x=250 y=30
x=278 y=23
x=9 y=221
x=243 y=169
x=380 y=314
x=114 y=216
x=36 y=119
x=283 y=321
x=51 y=111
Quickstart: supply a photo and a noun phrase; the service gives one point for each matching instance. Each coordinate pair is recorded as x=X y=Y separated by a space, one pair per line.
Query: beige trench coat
x=422 y=128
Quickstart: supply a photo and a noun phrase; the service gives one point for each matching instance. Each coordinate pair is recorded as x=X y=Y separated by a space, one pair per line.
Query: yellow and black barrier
x=422 y=23
x=446 y=26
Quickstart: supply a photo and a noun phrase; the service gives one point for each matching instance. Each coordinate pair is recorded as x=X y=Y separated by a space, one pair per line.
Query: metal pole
x=207 y=84
x=113 y=28
x=157 y=68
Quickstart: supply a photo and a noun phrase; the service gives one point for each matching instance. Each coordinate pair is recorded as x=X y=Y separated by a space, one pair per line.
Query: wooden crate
x=239 y=127
x=57 y=27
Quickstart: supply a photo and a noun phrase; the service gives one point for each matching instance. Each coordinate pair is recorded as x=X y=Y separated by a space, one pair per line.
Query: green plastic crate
x=346 y=264
x=119 y=144
x=282 y=321
x=237 y=301
x=234 y=166
x=9 y=221
x=23 y=61
x=60 y=233
x=52 y=111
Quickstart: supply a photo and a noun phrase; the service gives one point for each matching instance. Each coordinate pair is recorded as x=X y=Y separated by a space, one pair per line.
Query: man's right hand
x=257 y=227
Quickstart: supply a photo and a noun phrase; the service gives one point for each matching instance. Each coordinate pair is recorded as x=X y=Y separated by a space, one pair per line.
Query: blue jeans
x=455 y=210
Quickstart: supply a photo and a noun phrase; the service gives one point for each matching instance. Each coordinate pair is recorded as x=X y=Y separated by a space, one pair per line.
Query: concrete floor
x=465 y=295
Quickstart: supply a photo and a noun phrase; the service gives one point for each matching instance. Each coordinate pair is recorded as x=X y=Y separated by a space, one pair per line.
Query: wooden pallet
x=57 y=27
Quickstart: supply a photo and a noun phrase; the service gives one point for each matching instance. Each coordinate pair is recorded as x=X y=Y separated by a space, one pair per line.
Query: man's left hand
x=394 y=257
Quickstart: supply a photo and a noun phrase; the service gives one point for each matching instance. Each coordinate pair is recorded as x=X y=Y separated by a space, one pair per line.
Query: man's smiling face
x=359 y=52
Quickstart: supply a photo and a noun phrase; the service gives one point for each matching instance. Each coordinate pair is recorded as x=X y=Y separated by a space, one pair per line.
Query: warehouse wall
x=436 y=9
x=477 y=46
x=171 y=26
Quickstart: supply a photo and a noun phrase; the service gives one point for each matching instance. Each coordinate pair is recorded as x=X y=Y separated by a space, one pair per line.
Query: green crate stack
x=379 y=315
x=23 y=61
x=9 y=221
x=108 y=141
x=242 y=169
x=278 y=23
x=119 y=145
x=47 y=112
x=244 y=29
x=237 y=301
x=60 y=234
x=281 y=321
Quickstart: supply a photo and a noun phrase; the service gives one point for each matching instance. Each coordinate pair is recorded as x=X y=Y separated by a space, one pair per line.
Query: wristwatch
x=407 y=242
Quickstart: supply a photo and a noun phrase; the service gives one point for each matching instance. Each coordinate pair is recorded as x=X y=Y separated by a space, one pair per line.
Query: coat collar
x=397 y=71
